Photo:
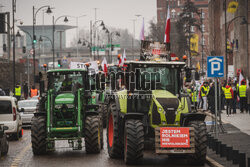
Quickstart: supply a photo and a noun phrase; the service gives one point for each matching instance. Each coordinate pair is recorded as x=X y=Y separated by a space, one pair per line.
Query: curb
x=212 y=162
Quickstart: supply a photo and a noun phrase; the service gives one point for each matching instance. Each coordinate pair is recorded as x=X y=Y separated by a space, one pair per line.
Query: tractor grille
x=156 y=118
x=169 y=105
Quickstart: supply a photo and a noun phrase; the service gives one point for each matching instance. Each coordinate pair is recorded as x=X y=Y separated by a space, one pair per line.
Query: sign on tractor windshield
x=175 y=137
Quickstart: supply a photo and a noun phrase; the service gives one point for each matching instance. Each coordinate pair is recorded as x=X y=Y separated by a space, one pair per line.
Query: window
x=192 y=15
x=203 y=15
x=203 y=41
x=5 y=107
x=173 y=13
x=192 y=29
x=203 y=28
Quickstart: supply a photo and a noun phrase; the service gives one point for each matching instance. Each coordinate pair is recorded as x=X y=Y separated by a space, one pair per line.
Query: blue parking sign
x=215 y=66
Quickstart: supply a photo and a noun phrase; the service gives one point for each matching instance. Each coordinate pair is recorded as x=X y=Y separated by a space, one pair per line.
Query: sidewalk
x=237 y=134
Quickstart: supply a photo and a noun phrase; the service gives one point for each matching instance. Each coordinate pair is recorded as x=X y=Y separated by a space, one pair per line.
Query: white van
x=10 y=117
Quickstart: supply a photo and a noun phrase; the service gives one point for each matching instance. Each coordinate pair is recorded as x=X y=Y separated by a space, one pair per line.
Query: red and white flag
x=241 y=78
x=104 y=65
x=167 y=30
x=142 y=37
x=124 y=58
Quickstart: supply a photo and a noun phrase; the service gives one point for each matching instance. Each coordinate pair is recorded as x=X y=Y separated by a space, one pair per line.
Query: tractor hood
x=65 y=98
x=166 y=99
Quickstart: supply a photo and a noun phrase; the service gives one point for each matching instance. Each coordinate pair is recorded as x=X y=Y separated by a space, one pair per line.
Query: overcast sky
x=115 y=13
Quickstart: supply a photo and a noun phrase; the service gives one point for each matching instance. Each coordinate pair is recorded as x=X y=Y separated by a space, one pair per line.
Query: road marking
x=19 y=156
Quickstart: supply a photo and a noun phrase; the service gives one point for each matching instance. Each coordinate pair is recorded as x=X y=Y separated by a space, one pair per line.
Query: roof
x=66 y=70
x=157 y=62
x=7 y=98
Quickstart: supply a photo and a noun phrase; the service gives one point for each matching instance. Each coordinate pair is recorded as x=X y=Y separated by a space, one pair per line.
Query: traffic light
x=2 y=23
x=59 y=63
x=4 y=47
x=24 y=49
x=34 y=39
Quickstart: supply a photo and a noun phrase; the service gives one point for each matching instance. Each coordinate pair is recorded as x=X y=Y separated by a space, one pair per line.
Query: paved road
x=20 y=154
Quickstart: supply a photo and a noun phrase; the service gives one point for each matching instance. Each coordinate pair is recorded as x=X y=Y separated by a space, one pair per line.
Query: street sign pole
x=216 y=109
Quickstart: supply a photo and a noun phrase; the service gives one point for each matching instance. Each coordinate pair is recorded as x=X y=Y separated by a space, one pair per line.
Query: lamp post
x=95 y=28
x=34 y=36
x=110 y=34
x=84 y=43
x=226 y=38
x=53 y=34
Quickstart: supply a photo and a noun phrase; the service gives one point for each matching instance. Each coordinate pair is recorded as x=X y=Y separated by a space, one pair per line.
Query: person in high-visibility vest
x=33 y=91
x=243 y=96
x=204 y=93
x=194 y=96
x=229 y=98
x=18 y=92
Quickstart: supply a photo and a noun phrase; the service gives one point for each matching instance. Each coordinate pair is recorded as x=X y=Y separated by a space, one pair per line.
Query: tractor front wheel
x=133 y=141
x=114 y=142
x=38 y=135
x=199 y=157
x=93 y=130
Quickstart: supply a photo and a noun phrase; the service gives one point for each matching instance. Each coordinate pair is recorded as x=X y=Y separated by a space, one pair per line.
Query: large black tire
x=133 y=141
x=199 y=157
x=104 y=116
x=93 y=130
x=114 y=141
x=18 y=134
x=38 y=135
x=5 y=145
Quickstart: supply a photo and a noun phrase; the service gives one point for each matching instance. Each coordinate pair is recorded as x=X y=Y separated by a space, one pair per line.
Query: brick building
x=175 y=7
x=238 y=51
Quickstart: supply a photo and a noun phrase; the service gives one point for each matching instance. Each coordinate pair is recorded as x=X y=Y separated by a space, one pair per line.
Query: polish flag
x=241 y=78
x=167 y=30
x=124 y=58
x=104 y=65
x=142 y=37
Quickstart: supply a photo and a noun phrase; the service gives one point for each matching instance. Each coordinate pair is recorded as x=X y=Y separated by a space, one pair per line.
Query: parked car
x=10 y=117
x=4 y=144
x=27 y=109
x=34 y=98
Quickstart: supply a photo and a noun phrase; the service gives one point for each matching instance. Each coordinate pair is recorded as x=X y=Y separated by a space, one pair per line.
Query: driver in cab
x=66 y=84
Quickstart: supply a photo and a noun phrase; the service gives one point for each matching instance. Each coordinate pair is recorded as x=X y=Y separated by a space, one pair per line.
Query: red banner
x=175 y=137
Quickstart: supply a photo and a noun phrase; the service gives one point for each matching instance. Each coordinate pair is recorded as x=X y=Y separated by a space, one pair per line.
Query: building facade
x=175 y=7
x=236 y=28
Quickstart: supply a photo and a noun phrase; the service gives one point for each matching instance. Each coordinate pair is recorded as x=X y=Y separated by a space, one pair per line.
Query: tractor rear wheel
x=133 y=141
x=199 y=157
x=93 y=130
x=104 y=117
x=5 y=145
x=114 y=142
x=38 y=135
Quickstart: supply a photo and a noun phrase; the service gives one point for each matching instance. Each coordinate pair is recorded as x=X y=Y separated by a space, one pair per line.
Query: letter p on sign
x=215 y=66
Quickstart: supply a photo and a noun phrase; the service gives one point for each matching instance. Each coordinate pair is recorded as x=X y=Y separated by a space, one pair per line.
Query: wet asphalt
x=20 y=154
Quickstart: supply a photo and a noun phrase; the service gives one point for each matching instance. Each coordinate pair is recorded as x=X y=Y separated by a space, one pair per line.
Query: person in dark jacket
x=25 y=90
x=234 y=97
x=211 y=99
x=229 y=98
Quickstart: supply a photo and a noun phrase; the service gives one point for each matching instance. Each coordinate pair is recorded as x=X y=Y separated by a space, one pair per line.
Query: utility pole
x=91 y=40
x=8 y=36
x=133 y=38
x=225 y=13
x=202 y=46
x=14 y=43
x=247 y=39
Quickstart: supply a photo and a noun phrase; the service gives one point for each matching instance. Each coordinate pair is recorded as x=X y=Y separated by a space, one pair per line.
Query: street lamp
x=95 y=28
x=48 y=11
x=226 y=38
x=110 y=34
x=53 y=34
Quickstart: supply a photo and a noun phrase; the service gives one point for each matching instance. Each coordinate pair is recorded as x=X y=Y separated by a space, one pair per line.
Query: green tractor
x=153 y=112
x=67 y=111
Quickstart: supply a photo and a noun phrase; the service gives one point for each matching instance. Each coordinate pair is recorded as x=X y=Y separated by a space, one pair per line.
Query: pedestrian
x=204 y=93
x=194 y=96
x=18 y=92
x=243 y=97
x=33 y=91
x=211 y=98
x=25 y=90
x=234 y=97
x=248 y=98
x=229 y=98
x=2 y=93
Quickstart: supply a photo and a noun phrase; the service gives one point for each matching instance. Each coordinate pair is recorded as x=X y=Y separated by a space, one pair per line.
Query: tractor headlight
x=70 y=105
x=58 y=106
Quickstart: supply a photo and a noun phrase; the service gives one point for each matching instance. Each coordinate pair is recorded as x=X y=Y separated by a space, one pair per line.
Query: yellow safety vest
x=223 y=89
x=189 y=91
x=205 y=89
x=242 y=90
x=227 y=93
x=18 y=91
x=194 y=96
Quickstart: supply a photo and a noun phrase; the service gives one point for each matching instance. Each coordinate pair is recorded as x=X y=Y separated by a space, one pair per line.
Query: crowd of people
x=231 y=95
x=20 y=91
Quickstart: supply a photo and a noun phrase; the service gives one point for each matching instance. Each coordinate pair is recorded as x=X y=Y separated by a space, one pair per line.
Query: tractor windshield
x=158 y=78
x=66 y=81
